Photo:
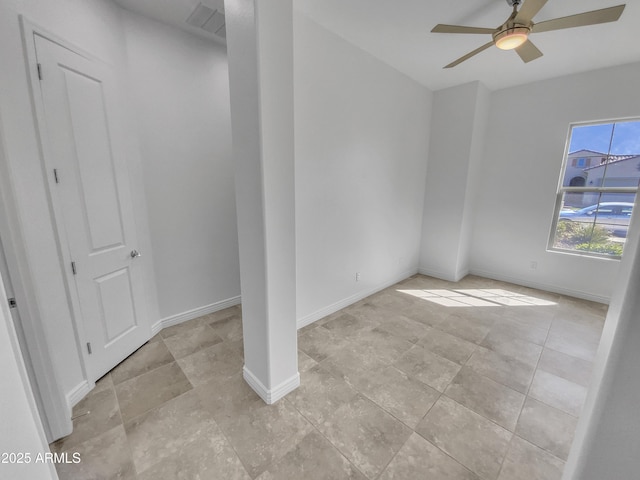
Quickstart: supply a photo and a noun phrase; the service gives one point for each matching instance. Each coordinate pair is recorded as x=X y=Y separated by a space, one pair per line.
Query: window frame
x=562 y=190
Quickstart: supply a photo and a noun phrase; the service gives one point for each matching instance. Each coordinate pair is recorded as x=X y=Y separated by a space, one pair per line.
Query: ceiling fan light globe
x=511 y=38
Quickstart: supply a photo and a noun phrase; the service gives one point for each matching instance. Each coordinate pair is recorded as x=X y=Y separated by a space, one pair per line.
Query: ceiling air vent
x=209 y=20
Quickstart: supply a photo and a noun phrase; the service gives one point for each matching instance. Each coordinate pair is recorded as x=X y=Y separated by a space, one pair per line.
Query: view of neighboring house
x=587 y=168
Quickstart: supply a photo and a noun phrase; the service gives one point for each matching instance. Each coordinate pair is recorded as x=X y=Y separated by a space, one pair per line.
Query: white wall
x=181 y=90
x=21 y=427
x=607 y=439
x=525 y=144
x=458 y=128
x=361 y=147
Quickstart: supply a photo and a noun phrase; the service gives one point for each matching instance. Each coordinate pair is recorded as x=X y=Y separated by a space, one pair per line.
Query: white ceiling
x=173 y=12
x=398 y=33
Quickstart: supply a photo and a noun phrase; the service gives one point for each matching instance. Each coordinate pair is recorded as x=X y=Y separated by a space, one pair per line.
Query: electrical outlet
x=357 y=276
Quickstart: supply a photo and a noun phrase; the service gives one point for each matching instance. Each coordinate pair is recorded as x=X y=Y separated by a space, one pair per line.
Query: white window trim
x=561 y=190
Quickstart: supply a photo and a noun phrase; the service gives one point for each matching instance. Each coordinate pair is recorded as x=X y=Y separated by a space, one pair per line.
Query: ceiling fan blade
x=594 y=17
x=528 y=51
x=529 y=10
x=469 y=55
x=440 y=28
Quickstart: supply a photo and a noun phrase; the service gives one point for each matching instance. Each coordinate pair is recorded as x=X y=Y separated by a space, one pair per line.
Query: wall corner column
x=260 y=48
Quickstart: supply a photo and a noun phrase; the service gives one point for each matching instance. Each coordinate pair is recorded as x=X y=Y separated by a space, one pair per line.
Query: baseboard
x=195 y=313
x=429 y=272
x=334 y=307
x=540 y=286
x=270 y=396
x=76 y=394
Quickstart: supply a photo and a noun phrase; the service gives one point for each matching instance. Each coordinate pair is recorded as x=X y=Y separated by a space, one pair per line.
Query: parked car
x=612 y=216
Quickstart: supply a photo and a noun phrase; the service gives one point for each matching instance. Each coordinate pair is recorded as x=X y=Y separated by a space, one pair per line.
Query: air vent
x=208 y=19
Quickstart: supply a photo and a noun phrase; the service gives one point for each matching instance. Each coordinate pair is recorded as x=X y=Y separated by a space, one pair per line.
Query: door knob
x=135 y=253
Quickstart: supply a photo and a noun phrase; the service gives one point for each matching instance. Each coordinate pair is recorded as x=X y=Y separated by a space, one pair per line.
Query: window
x=597 y=189
x=582 y=162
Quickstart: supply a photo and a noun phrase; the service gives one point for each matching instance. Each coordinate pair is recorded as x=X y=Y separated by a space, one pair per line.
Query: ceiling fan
x=514 y=33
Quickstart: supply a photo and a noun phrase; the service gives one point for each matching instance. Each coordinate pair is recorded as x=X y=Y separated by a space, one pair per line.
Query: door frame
x=30 y=30
x=56 y=404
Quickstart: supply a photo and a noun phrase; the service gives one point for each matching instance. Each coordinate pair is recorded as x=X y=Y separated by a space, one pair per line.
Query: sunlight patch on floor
x=477 y=297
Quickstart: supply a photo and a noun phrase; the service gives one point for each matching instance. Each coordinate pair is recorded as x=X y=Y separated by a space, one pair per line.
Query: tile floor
x=426 y=379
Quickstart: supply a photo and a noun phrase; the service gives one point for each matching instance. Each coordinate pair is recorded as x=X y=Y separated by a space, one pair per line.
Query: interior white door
x=84 y=144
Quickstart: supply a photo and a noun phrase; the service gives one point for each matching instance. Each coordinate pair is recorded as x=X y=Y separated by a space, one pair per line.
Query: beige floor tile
x=475 y=442
x=314 y=458
x=383 y=345
x=539 y=316
x=419 y=459
x=236 y=310
x=547 y=427
x=162 y=432
x=391 y=299
x=486 y=397
x=319 y=343
x=226 y=400
x=429 y=368
x=103 y=457
x=573 y=339
x=353 y=360
x=486 y=316
x=184 y=326
x=190 y=341
x=305 y=362
x=565 y=366
x=144 y=392
x=525 y=461
x=156 y=338
x=349 y=326
x=404 y=397
x=97 y=413
x=218 y=362
x=205 y=455
x=238 y=346
x=469 y=329
x=526 y=332
x=558 y=392
x=505 y=344
x=365 y=434
x=265 y=433
x=427 y=313
x=229 y=328
x=320 y=393
x=180 y=440
x=582 y=312
x=148 y=357
x=505 y=370
x=448 y=346
x=405 y=328
x=369 y=373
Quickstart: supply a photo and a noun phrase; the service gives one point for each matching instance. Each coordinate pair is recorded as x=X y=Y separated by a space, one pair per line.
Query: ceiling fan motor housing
x=511 y=36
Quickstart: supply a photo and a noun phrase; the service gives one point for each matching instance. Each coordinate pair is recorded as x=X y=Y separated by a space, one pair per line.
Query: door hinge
x=55 y=175
x=12 y=302
x=39 y=71
x=89 y=347
x=73 y=268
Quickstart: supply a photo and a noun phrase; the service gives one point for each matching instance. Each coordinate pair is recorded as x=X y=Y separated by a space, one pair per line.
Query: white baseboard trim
x=155 y=328
x=76 y=394
x=334 y=307
x=270 y=396
x=195 y=313
x=540 y=286
x=429 y=272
